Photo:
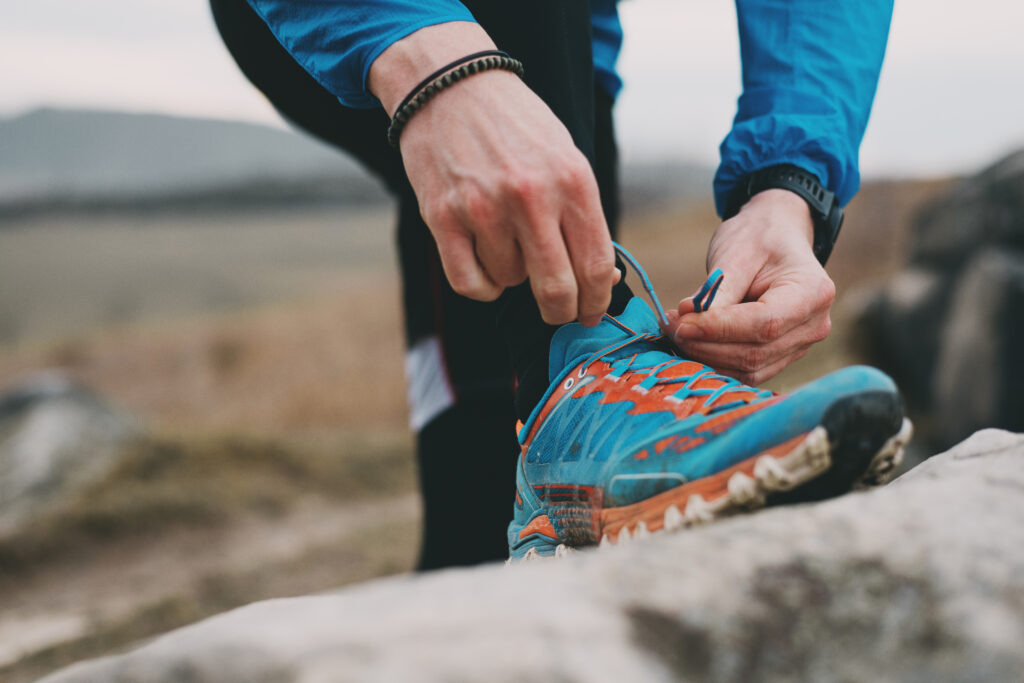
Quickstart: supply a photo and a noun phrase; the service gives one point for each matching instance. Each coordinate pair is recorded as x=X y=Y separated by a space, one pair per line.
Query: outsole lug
x=743 y=489
x=673 y=519
x=771 y=475
x=884 y=464
x=698 y=511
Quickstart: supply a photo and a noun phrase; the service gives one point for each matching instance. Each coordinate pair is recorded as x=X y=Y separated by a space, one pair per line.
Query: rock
x=920 y=581
x=953 y=317
x=979 y=373
x=900 y=329
x=55 y=437
x=980 y=211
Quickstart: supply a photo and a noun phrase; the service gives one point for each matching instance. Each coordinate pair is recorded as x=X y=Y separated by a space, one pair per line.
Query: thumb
x=728 y=288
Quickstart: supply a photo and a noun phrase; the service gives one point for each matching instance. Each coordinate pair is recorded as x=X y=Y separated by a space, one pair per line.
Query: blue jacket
x=810 y=70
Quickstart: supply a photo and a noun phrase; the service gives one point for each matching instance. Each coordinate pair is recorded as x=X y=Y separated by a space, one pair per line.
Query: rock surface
x=949 y=328
x=922 y=580
x=55 y=436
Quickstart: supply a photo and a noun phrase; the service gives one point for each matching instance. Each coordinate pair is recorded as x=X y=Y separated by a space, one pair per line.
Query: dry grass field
x=263 y=355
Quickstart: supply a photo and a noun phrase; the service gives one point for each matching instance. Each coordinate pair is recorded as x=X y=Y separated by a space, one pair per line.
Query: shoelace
x=701 y=303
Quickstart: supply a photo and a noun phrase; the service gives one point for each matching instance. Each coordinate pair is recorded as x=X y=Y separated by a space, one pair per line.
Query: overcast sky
x=951 y=96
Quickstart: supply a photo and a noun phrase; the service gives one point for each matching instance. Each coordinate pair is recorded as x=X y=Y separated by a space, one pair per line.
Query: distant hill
x=79 y=160
x=89 y=156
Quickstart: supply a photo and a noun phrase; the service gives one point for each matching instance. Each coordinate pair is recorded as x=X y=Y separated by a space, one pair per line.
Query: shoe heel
x=530 y=533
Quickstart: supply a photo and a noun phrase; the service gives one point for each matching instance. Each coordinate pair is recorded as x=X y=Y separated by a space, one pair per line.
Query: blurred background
x=201 y=391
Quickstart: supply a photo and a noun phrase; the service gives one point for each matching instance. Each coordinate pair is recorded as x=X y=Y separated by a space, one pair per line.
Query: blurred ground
x=263 y=352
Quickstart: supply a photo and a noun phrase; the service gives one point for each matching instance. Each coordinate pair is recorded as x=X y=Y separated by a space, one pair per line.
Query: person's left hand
x=774 y=301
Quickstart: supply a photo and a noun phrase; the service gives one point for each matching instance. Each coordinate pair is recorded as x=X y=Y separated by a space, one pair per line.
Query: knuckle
x=771 y=328
x=751 y=359
x=826 y=290
x=437 y=213
x=576 y=174
x=461 y=284
x=823 y=329
x=522 y=187
x=476 y=207
x=556 y=292
x=597 y=272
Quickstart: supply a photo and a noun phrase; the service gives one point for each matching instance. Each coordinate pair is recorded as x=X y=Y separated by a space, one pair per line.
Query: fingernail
x=689 y=331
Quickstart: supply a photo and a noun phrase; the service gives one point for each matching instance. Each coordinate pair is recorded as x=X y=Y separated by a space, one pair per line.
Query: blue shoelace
x=702 y=302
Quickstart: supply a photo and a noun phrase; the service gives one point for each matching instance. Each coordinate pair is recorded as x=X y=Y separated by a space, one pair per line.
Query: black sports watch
x=825 y=210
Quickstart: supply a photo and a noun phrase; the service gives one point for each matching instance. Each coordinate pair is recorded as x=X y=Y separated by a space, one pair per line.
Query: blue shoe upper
x=633 y=448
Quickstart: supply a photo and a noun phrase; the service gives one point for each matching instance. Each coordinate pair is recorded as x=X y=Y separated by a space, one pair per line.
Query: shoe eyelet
x=568 y=383
x=582 y=372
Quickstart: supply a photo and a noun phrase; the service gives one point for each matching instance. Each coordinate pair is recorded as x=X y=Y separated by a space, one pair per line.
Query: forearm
x=810 y=70
x=406 y=62
x=337 y=41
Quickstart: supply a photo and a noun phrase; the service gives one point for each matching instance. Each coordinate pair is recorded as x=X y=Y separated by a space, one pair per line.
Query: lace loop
x=701 y=302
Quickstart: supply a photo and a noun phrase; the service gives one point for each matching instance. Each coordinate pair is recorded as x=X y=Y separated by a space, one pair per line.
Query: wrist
x=826 y=213
x=781 y=209
x=405 y=63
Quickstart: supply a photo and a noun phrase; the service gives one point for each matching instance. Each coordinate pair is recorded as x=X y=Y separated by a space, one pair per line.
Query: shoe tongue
x=574 y=342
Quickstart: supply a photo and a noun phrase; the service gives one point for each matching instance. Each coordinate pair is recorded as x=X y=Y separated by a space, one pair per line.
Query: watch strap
x=825 y=210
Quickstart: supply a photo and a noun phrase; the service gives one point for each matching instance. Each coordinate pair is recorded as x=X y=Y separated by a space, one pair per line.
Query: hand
x=774 y=301
x=501 y=185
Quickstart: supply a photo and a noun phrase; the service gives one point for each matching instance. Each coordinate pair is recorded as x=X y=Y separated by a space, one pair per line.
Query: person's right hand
x=504 y=190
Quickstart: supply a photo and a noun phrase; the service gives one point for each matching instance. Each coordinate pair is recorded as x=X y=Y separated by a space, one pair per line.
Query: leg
x=460 y=389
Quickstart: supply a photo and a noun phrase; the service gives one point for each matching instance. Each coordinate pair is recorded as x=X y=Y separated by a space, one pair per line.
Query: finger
x=501 y=259
x=466 y=276
x=685 y=306
x=744 y=357
x=754 y=379
x=493 y=240
x=551 y=276
x=673 y=320
x=740 y=272
x=779 y=310
x=589 y=242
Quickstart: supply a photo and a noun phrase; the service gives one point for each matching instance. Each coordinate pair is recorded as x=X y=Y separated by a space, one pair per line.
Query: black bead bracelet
x=445 y=77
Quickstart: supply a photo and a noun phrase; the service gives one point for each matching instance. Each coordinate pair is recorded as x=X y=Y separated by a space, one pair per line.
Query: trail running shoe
x=631 y=439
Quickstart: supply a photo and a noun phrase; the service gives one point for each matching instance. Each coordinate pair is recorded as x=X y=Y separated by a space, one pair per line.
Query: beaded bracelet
x=445 y=77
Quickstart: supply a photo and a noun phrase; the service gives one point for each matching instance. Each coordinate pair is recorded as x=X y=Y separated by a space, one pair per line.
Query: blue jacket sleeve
x=810 y=71
x=336 y=41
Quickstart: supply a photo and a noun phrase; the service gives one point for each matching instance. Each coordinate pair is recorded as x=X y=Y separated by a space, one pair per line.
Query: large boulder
x=979 y=374
x=56 y=437
x=952 y=320
x=920 y=581
x=983 y=210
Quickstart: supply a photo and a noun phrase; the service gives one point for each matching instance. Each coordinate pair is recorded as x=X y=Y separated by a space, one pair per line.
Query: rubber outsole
x=859 y=445
x=859 y=428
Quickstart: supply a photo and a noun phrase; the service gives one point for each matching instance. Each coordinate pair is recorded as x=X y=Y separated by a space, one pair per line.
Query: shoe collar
x=573 y=343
